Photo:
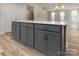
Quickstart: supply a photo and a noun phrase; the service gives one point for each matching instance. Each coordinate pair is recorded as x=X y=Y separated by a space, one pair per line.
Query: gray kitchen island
x=48 y=37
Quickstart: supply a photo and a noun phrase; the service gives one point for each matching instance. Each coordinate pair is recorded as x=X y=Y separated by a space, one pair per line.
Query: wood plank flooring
x=73 y=39
x=11 y=47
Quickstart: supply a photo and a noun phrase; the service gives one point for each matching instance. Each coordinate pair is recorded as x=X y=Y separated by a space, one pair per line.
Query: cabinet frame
x=34 y=26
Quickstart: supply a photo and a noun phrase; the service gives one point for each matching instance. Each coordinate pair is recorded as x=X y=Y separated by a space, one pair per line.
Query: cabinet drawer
x=48 y=27
x=15 y=23
x=26 y=24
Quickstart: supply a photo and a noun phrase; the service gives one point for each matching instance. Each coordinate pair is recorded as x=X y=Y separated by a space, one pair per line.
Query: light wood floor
x=73 y=39
x=11 y=47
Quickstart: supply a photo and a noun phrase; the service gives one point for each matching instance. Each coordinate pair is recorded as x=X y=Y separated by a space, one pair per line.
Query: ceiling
x=52 y=5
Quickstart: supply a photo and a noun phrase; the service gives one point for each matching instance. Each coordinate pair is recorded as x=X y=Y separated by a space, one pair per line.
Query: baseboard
x=4 y=33
x=7 y=32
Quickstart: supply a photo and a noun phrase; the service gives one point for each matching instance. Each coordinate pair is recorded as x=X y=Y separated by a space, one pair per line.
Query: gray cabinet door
x=24 y=35
x=53 y=43
x=13 y=30
x=40 y=41
x=30 y=37
x=17 y=29
x=27 y=35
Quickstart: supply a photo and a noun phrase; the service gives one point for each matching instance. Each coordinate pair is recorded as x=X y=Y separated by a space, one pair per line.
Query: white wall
x=57 y=15
x=40 y=13
x=0 y=18
x=11 y=12
x=78 y=15
x=67 y=15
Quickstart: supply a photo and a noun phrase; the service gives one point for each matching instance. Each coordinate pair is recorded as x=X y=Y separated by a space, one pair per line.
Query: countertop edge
x=46 y=22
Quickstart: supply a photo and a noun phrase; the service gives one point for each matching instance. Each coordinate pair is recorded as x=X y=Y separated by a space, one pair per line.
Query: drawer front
x=15 y=23
x=48 y=27
x=26 y=24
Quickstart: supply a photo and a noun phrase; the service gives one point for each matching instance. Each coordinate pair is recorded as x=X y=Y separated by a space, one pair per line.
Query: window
x=73 y=15
x=62 y=15
x=52 y=15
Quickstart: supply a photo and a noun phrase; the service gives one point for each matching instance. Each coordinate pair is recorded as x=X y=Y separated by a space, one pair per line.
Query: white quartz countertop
x=44 y=22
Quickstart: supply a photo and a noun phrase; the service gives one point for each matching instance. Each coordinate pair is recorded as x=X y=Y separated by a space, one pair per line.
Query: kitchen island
x=48 y=37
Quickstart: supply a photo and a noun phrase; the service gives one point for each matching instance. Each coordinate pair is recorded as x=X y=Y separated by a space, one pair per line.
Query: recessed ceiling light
x=62 y=6
x=56 y=7
x=59 y=6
